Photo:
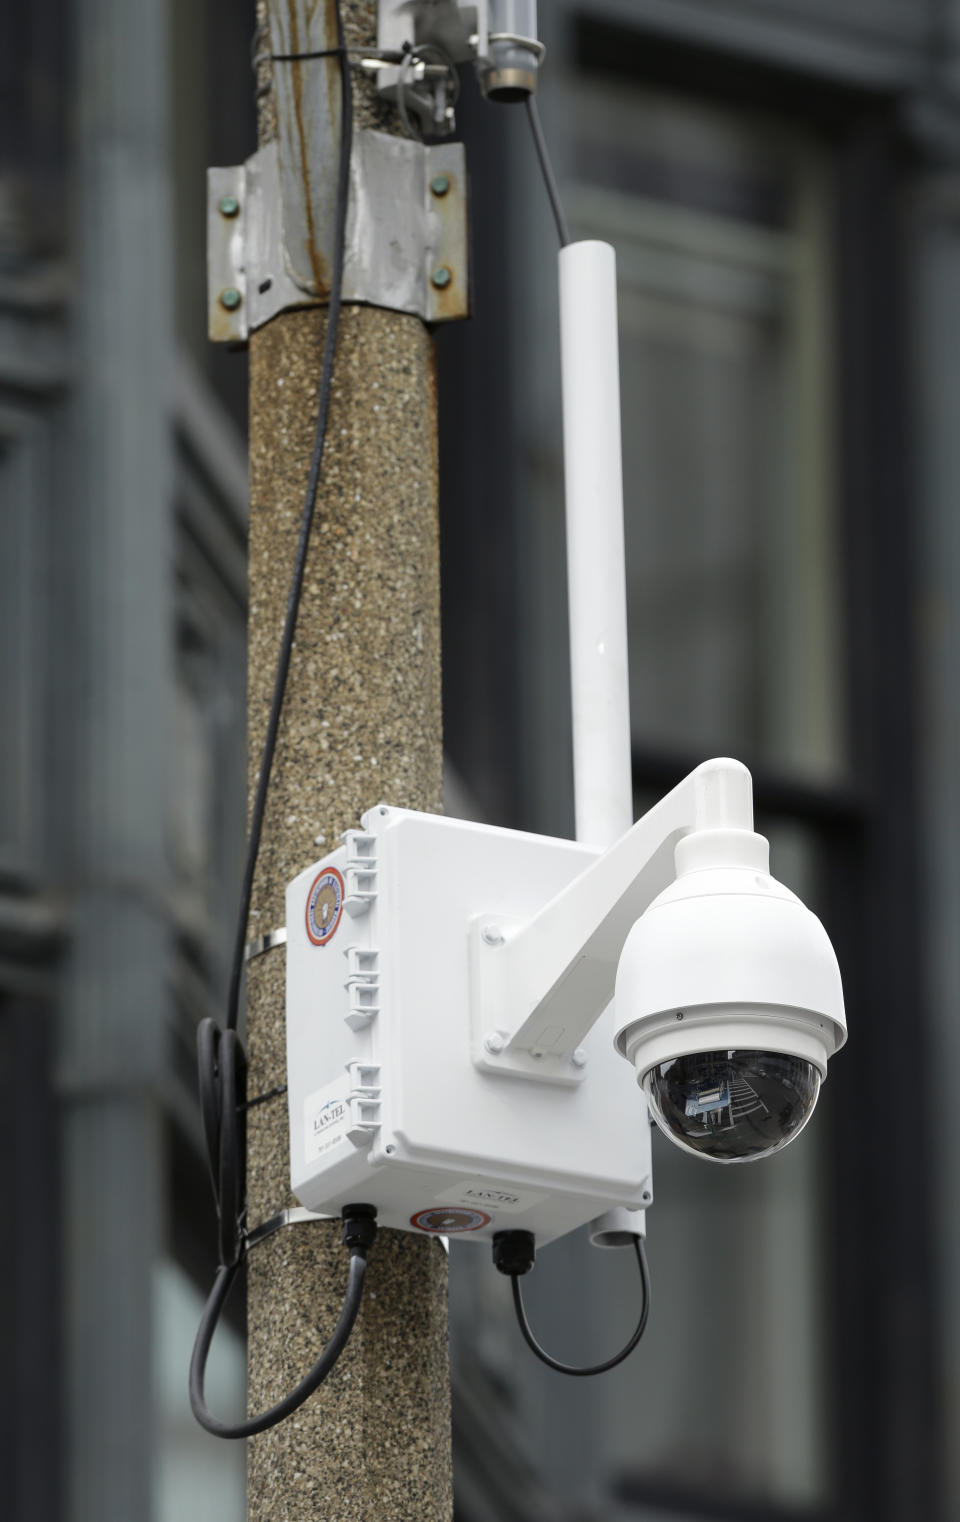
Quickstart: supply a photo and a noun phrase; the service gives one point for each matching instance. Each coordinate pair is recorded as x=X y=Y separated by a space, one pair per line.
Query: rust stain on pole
x=301 y=100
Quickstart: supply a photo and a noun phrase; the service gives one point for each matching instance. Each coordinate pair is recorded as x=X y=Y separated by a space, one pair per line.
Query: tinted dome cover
x=732 y=1106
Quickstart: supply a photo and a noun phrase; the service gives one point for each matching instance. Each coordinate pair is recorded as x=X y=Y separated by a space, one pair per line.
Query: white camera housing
x=453 y=1054
x=726 y=959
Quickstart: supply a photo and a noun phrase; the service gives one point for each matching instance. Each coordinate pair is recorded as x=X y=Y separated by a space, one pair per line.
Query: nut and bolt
x=579 y=1058
x=228 y=206
x=493 y=1043
x=230 y=298
x=441 y=277
x=440 y=184
x=492 y=935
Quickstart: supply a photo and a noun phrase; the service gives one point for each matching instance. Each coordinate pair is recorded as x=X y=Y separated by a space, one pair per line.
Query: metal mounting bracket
x=491 y=1004
x=407 y=246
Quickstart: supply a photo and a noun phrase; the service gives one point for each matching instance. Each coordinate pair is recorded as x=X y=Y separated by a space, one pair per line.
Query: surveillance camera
x=728 y=1002
x=481 y=987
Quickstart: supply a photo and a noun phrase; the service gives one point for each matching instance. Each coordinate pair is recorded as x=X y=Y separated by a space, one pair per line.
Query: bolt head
x=493 y=1043
x=492 y=935
x=579 y=1058
x=230 y=298
x=228 y=206
x=440 y=184
x=441 y=277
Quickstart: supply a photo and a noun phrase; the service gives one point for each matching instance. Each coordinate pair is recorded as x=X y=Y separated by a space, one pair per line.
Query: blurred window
x=196 y=1476
x=720 y=226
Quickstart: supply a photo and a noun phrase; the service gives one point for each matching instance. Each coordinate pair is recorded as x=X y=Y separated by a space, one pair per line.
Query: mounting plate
x=407 y=245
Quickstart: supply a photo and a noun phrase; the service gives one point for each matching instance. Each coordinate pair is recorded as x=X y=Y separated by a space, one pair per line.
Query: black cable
x=232 y=1151
x=208 y=1072
x=385 y=55
x=220 y=1054
x=597 y=1368
x=222 y=1068
x=306 y=521
x=359 y=1226
x=533 y=116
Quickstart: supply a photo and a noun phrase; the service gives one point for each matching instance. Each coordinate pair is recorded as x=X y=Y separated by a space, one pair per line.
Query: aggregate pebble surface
x=361 y=724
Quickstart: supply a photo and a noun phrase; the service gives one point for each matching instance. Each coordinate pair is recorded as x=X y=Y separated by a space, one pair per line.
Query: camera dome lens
x=732 y=1106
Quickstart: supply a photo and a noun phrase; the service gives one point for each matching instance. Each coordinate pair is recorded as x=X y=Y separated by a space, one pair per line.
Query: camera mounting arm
x=540 y=986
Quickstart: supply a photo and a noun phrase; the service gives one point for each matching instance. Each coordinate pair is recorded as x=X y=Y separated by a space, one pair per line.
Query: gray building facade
x=781 y=179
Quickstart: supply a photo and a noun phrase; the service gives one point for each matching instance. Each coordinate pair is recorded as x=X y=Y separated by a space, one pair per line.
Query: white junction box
x=395 y=1101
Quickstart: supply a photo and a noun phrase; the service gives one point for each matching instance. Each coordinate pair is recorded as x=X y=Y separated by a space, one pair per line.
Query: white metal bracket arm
x=533 y=1000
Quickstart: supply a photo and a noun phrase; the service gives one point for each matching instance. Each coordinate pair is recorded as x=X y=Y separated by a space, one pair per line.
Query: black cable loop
x=314 y=1378
x=597 y=1368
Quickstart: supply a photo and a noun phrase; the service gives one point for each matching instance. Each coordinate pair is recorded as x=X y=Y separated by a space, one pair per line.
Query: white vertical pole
x=596 y=576
x=595 y=558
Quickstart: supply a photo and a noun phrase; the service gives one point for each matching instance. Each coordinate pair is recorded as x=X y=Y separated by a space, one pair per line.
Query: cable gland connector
x=359 y=1226
x=514 y=1251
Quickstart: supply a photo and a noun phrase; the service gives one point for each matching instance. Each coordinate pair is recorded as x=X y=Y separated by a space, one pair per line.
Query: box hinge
x=360 y=872
x=362 y=984
x=363 y=1101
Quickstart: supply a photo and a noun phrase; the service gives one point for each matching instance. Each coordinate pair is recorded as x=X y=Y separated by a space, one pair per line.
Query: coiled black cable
x=359 y=1228
x=597 y=1368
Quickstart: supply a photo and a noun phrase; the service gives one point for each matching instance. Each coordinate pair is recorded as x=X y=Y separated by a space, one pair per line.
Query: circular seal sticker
x=446 y=1222
x=324 y=906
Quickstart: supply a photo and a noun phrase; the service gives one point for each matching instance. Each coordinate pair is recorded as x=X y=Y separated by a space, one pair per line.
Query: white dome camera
x=728 y=1001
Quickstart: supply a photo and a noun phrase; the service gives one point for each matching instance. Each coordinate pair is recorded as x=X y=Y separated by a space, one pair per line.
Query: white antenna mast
x=596 y=574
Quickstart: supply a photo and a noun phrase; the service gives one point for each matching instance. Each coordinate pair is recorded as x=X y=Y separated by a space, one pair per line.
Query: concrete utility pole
x=361 y=722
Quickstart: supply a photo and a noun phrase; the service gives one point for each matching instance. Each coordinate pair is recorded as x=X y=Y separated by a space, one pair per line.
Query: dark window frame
x=31 y=1267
